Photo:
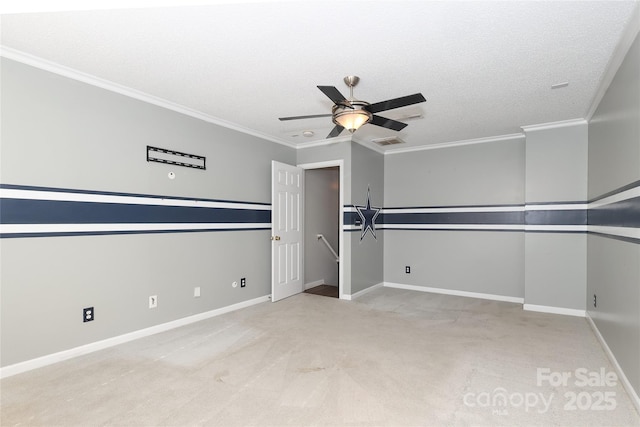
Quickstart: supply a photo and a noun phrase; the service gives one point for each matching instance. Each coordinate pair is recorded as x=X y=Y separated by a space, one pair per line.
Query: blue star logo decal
x=368 y=217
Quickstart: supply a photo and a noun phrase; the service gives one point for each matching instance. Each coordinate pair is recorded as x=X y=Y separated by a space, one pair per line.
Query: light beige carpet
x=392 y=357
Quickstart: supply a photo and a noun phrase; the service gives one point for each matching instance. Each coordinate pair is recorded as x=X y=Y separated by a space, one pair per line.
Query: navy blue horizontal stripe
x=572 y=202
x=107 y=233
x=506 y=207
x=515 y=217
x=350 y=218
x=625 y=213
x=557 y=217
x=501 y=230
x=110 y=193
x=25 y=211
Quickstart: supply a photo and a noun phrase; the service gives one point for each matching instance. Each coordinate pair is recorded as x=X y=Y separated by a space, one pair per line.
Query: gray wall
x=58 y=132
x=367 y=168
x=545 y=267
x=614 y=264
x=556 y=164
x=488 y=262
x=68 y=134
x=322 y=212
x=469 y=175
x=614 y=131
x=556 y=171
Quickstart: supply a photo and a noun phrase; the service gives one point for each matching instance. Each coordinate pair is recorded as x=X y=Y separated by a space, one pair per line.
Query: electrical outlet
x=153 y=301
x=88 y=314
x=407 y=269
x=243 y=282
x=196 y=292
x=595 y=300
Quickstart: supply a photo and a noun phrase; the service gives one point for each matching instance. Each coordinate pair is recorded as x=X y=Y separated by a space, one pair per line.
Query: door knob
x=275 y=237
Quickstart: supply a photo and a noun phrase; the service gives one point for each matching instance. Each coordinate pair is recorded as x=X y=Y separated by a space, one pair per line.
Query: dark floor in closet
x=324 y=290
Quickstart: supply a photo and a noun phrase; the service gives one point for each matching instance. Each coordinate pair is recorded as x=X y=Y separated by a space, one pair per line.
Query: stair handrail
x=321 y=236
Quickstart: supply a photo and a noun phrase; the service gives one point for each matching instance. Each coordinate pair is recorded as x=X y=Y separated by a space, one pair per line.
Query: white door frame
x=340 y=165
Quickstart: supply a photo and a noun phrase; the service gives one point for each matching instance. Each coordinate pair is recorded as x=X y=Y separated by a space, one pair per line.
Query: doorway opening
x=323 y=225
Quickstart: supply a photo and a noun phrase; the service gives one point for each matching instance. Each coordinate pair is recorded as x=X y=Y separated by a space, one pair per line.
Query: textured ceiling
x=485 y=67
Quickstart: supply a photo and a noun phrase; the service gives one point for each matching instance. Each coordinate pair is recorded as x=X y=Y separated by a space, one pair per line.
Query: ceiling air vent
x=392 y=140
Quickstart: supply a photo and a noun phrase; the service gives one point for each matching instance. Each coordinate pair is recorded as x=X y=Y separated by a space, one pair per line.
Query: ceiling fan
x=352 y=113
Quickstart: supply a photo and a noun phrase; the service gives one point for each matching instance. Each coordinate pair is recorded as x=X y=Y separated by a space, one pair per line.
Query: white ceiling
x=485 y=67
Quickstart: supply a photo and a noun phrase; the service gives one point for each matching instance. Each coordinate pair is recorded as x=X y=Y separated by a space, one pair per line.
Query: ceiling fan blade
x=334 y=95
x=335 y=131
x=312 y=116
x=387 y=123
x=390 y=104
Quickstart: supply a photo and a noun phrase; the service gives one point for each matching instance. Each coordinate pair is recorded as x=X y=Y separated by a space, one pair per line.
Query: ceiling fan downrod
x=351 y=81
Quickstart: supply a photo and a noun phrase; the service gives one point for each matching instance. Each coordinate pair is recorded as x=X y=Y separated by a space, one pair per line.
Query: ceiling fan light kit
x=353 y=117
x=351 y=114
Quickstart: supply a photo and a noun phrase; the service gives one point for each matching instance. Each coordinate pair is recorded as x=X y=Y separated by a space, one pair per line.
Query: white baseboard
x=554 y=310
x=633 y=395
x=362 y=292
x=313 y=284
x=492 y=297
x=50 y=359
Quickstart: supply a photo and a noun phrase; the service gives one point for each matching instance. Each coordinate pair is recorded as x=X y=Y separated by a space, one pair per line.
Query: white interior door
x=287 y=183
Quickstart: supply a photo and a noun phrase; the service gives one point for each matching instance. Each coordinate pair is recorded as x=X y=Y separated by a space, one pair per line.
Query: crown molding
x=42 y=6
x=622 y=48
x=366 y=144
x=53 y=67
x=457 y=143
x=554 y=125
x=322 y=142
